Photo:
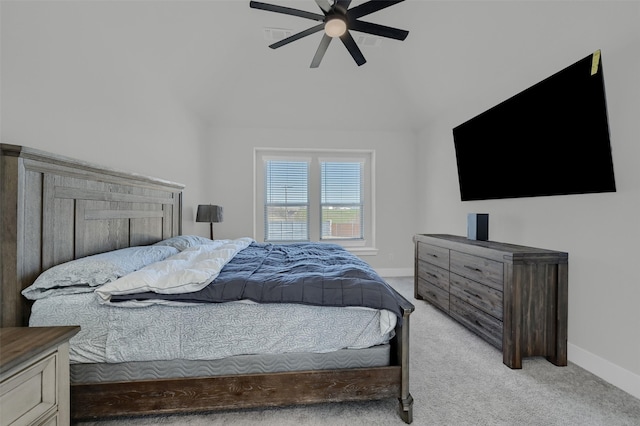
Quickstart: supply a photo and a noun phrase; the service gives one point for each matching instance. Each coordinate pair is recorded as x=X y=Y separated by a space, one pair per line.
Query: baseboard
x=395 y=272
x=606 y=370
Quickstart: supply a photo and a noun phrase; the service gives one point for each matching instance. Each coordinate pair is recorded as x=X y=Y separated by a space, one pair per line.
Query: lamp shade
x=209 y=213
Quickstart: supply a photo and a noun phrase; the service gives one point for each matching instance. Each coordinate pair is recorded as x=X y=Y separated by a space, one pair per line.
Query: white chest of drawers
x=34 y=375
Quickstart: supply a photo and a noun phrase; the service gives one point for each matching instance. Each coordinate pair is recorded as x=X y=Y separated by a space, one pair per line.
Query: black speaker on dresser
x=478 y=226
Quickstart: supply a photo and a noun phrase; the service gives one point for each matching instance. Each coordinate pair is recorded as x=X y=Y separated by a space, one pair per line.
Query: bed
x=56 y=209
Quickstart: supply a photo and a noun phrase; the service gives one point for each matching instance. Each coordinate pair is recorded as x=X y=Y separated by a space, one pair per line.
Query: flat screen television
x=550 y=139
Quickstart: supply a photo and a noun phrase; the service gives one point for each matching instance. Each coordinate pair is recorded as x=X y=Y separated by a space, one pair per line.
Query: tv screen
x=550 y=139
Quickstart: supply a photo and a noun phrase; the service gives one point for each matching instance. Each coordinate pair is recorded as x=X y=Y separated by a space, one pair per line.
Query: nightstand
x=34 y=375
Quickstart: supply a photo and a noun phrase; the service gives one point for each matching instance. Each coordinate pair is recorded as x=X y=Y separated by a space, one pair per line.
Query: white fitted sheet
x=208 y=331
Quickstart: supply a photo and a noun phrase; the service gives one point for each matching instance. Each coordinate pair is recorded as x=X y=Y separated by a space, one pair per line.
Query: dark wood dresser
x=512 y=296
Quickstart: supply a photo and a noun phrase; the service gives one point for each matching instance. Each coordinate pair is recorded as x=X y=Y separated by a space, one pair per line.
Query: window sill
x=363 y=251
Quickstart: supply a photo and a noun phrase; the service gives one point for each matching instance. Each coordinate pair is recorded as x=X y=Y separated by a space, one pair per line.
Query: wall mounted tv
x=550 y=139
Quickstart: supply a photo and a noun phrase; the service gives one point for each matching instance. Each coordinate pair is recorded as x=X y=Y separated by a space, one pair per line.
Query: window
x=341 y=200
x=315 y=195
x=286 y=206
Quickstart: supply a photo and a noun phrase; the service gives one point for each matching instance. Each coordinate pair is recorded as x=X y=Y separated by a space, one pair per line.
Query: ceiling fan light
x=335 y=27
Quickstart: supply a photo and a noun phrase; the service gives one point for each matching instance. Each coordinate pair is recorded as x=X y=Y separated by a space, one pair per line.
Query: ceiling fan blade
x=353 y=48
x=379 y=30
x=297 y=36
x=286 y=10
x=324 y=5
x=370 y=7
x=322 y=48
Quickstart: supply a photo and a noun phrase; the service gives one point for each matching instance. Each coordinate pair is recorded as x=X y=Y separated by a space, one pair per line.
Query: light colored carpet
x=456 y=379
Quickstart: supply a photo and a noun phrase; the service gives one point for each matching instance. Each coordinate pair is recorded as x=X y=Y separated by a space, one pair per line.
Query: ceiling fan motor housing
x=335 y=25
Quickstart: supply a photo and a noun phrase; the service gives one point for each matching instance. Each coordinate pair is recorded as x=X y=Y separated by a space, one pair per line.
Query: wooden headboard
x=55 y=209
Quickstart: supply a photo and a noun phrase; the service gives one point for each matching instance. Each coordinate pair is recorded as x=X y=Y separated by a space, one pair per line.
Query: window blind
x=342 y=203
x=286 y=210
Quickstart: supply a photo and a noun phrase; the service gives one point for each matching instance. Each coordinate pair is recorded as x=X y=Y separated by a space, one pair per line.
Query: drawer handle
x=472 y=294
x=473 y=268
x=433 y=255
x=432 y=275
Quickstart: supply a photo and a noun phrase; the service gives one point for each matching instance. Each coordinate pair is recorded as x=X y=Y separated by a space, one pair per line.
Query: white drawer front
x=51 y=421
x=29 y=394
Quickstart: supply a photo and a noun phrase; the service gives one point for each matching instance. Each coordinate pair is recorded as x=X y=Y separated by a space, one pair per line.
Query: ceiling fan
x=336 y=21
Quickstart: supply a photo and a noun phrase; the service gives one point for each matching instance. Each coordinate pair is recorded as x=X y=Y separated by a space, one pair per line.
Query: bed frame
x=55 y=209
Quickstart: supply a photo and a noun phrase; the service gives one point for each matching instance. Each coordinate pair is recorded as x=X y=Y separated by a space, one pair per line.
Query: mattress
x=110 y=334
x=375 y=356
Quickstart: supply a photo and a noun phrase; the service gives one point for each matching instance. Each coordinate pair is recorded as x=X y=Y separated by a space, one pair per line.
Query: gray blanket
x=305 y=273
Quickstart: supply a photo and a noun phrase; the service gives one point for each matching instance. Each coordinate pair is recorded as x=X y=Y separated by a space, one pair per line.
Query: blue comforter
x=306 y=273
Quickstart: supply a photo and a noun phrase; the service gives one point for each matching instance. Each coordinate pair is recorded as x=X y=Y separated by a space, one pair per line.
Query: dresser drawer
x=485 y=271
x=52 y=421
x=434 y=275
x=483 y=297
x=433 y=294
x=433 y=254
x=30 y=393
x=481 y=323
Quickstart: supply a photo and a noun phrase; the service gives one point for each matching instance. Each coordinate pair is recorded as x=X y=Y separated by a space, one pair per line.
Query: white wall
x=599 y=231
x=72 y=95
x=230 y=184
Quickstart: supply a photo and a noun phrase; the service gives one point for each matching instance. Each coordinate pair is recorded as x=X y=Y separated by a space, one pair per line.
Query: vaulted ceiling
x=212 y=56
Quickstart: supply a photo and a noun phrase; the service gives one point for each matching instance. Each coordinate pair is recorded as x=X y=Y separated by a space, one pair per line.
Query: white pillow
x=84 y=274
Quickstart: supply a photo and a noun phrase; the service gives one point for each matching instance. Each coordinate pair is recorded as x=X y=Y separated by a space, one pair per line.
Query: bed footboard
x=233 y=392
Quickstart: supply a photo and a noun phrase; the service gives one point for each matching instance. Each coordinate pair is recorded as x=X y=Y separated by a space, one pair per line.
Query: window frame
x=365 y=246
